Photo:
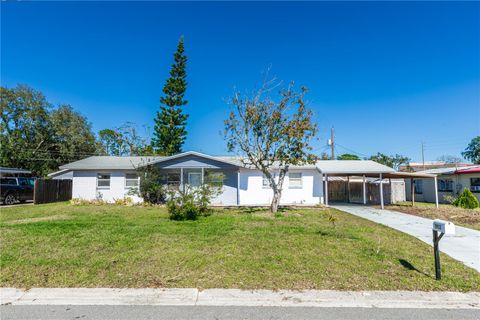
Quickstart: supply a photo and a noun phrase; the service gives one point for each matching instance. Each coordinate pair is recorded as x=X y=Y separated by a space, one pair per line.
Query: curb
x=237 y=297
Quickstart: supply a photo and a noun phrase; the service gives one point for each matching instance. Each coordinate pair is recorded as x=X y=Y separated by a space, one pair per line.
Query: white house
x=113 y=177
x=451 y=182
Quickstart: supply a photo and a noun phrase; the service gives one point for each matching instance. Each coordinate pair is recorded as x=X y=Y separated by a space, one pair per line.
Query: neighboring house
x=113 y=177
x=450 y=182
x=428 y=165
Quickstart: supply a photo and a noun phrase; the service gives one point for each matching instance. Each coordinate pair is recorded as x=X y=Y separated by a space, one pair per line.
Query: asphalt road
x=202 y=312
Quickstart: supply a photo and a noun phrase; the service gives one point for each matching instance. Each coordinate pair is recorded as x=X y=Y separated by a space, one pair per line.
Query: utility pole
x=423 y=155
x=332 y=143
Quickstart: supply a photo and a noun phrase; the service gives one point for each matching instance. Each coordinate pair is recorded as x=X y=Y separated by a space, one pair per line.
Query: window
x=9 y=181
x=418 y=186
x=445 y=185
x=103 y=181
x=131 y=180
x=265 y=182
x=214 y=178
x=170 y=178
x=30 y=182
x=195 y=179
x=295 y=180
x=475 y=184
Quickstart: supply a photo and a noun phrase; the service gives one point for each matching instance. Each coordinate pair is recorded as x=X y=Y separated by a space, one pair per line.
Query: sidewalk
x=237 y=297
x=464 y=246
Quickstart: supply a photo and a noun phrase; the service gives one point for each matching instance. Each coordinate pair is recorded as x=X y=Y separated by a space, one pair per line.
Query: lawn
x=61 y=245
x=464 y=217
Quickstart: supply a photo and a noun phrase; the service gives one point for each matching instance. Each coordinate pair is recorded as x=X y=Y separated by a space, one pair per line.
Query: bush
x=182 y=206
x=191 y=203
x=466 y=200
x=125 y=201
x=150 y=189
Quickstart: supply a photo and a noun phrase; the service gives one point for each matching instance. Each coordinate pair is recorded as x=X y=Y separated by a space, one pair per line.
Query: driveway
x=27 y=203
x=464 y=246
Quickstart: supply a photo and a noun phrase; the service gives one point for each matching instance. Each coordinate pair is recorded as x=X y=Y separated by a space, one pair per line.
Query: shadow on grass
x=411 y=267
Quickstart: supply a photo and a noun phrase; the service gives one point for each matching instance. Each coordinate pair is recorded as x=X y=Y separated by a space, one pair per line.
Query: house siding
x=252 y=191
x=85 y=186
x=460 y=182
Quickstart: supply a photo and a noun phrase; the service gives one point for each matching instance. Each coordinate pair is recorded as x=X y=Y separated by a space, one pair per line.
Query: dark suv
x=13 y=189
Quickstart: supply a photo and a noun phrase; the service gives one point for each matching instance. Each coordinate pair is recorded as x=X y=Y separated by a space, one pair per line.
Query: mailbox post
x=440 y=228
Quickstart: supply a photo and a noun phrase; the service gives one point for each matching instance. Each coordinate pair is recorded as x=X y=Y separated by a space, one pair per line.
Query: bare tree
x=450 y=159
x=271 y=133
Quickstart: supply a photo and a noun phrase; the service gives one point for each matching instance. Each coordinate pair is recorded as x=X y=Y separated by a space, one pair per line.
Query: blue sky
x=386 y=75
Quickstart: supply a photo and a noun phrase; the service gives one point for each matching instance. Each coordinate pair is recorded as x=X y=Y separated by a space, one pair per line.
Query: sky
x=386 y=75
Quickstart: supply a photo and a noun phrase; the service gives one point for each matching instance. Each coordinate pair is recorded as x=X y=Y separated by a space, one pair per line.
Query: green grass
x=60 y=245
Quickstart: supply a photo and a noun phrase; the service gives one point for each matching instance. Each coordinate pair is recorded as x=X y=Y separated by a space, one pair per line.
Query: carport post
x=436 y=191
x=412 y=189
x=326 y=190
x=238 y=187
x=181 y=180
x=364 y=190
x=381 y=191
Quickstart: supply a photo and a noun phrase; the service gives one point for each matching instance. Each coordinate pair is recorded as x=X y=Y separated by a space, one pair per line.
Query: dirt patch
x=466 y=217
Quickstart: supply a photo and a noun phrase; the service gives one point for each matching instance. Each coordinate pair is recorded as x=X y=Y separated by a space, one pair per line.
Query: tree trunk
x=275 y=201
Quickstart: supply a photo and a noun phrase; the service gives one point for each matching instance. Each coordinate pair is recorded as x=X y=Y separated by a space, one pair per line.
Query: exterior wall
x=228 y=197
x=460 y=181
x=85 y=186
x=252 y=191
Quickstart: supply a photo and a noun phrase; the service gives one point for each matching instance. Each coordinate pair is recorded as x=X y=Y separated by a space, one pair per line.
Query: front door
x=194 y=179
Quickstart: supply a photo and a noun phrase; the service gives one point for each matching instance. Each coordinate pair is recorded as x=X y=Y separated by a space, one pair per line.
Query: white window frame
x=443 y=185
x=130 y=179
x=290 y=179
x=109 y=180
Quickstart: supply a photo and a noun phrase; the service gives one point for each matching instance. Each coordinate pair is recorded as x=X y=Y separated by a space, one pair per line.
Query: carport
x=368 y=169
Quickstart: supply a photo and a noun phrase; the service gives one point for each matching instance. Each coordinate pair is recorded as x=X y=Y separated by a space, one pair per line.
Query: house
x=450 y=182
x=428 y=165
x=113 y=177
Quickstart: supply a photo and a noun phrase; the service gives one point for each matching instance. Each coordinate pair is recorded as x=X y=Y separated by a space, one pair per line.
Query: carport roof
x=352 y=167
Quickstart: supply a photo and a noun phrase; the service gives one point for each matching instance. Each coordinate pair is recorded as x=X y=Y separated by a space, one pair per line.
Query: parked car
x=13 y=189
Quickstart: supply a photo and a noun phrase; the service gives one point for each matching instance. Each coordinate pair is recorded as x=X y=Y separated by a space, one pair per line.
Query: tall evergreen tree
x=170 y=124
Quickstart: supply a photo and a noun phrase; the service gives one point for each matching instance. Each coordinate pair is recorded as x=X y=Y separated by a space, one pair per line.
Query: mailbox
x=442 y=226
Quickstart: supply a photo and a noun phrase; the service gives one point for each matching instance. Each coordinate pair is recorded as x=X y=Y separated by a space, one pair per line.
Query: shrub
x=84 y=202
x=125 y=201
x=191 y=203
x=182 y=206
x=150 y=189
x=466 y=200
x=449 y=198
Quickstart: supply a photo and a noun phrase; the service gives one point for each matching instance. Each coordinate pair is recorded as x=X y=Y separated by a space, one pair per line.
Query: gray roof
x=128 y=163
x=109 y=163
x=352 y=167
x=446 y=171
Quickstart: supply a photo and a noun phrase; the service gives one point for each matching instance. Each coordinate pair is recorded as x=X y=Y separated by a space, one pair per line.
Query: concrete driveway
x=27 y=203
x=464 y=246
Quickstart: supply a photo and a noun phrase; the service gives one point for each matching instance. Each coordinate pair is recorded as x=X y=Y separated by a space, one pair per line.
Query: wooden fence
x=341 y=191
x=47 y=191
